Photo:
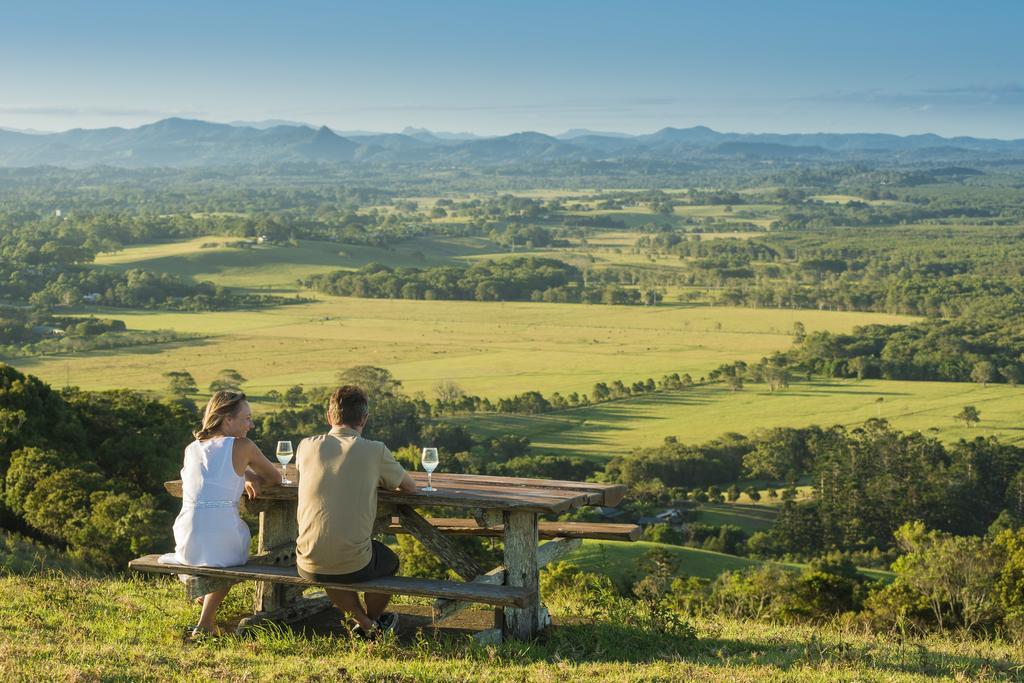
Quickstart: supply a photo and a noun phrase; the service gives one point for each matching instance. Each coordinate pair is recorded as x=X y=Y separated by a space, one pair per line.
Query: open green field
x=275 y=268
x=265 y=267
x=500 y=349
x=702 y=413
x=490 y=349
x=749 y=517
x=618 y=560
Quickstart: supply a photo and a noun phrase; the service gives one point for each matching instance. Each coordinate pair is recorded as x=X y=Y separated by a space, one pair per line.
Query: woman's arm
x=259 y=471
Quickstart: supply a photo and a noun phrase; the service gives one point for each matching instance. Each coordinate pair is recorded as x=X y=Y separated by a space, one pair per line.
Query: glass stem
x=430 y=479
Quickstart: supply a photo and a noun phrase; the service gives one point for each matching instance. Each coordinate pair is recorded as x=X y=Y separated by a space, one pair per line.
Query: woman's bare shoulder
x=247 y=446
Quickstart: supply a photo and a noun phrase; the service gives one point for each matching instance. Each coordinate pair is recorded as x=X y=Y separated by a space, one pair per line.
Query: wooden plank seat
x=547 y=530
x=499 y=595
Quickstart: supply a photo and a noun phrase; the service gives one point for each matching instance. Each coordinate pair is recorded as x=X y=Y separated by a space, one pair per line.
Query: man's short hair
x=348 y=405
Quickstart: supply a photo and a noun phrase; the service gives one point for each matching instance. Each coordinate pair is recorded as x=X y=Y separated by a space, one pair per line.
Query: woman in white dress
x=219 y=465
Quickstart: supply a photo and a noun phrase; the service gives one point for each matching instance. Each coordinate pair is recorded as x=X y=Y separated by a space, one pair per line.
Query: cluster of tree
x=142 y=289
x=942 y=582
x=450 y=398
x=526 y=236
x=867 y=482
x=772 y=371
x=930 y=271
x=870 y=480
x=720 y=538
x=962 y=350
x=818 y=215
x=514 y=279
x=28 y=332
x=825 y=588
x=25 y=326
x=54 y=345
x=45 y=262
x=85 y=470
x=680 y=466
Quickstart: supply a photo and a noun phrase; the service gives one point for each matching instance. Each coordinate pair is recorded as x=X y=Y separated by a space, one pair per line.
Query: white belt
x=201 y=504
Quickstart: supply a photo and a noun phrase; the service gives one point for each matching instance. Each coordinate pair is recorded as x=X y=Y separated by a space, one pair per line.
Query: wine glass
x=429 y=461
x=284 y=456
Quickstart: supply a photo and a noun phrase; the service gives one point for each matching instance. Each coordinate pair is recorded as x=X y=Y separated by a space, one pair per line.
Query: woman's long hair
x=222 y=404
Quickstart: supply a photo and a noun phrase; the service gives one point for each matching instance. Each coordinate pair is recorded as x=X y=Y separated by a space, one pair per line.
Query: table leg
x=521 y=538
x=278 y=528
x=451 y=554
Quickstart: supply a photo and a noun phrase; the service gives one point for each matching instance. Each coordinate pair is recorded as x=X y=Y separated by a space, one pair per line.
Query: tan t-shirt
x=339 y=474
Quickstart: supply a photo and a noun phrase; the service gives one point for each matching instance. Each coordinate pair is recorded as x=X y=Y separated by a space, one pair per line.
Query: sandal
x=199 y=633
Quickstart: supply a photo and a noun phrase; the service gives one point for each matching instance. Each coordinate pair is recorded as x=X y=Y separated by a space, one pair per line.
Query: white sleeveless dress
x=209 y=532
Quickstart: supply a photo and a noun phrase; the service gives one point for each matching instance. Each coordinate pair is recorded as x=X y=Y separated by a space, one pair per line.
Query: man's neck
x=357 y=430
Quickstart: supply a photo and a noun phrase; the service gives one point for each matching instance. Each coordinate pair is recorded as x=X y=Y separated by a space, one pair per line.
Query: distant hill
x=767 y=150
x=423 y=133
x=270 y=123
x=574 y=133
x=179 y=142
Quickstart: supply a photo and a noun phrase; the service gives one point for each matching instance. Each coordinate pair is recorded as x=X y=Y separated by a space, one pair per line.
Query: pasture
x=703 y=413
x=500 y=349
x=490 y=349
x=748 y=516
x=260 y=267
x=274 y=268
x=618 y=560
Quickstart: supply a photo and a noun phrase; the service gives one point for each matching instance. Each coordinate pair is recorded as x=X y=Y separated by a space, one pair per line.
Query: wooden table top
x=476 y=491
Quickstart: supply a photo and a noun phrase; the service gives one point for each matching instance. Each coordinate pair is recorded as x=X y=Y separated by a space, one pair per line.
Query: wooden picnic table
x=507 y=506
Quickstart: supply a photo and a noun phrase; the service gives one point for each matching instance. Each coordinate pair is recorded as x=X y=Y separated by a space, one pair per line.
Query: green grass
x=20 y=556
x=618 y=560
x=490 y=349
x=750 y=518
x=702 y=413
x=73 y=629
x=499 y=349
x=277 y=268
x=264 y=266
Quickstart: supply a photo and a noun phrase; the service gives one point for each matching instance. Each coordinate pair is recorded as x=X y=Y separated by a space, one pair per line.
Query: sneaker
x=388 y=622
x=361 y=633
x=385 y=624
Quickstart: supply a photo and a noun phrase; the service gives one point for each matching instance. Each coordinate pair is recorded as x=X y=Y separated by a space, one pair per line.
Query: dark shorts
x=384 y=562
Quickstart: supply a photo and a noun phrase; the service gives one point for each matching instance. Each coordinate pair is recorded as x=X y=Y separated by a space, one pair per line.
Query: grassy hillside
x=72 y=629
x=618 y=559
x=259 y=267
x=748 y=517
x=20 y=556
x=491 y=349
x=703 y=413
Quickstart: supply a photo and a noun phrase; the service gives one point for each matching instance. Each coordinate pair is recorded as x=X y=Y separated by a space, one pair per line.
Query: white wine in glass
x=284 y=456
x=429 y=461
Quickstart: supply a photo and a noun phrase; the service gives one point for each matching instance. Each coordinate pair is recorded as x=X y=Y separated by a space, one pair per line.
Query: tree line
x=527 y=278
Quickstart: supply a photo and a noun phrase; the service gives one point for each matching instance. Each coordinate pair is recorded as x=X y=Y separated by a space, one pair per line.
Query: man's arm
x=391 y=470
x=407 y=485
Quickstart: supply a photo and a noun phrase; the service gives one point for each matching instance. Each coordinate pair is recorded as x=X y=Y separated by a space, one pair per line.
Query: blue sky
x=491 y=68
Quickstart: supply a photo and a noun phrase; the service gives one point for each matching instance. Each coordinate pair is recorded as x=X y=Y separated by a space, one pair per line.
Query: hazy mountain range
x=187 y=142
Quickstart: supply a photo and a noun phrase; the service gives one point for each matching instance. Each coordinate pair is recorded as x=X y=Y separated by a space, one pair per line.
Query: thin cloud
x=1011 y=94
x=617 y=105
x=112 y=112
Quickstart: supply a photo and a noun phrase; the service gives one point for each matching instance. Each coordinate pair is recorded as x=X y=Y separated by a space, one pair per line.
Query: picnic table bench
x=503 y=507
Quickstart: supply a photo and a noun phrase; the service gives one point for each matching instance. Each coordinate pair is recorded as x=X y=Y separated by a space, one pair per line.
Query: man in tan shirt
x=340 y=474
